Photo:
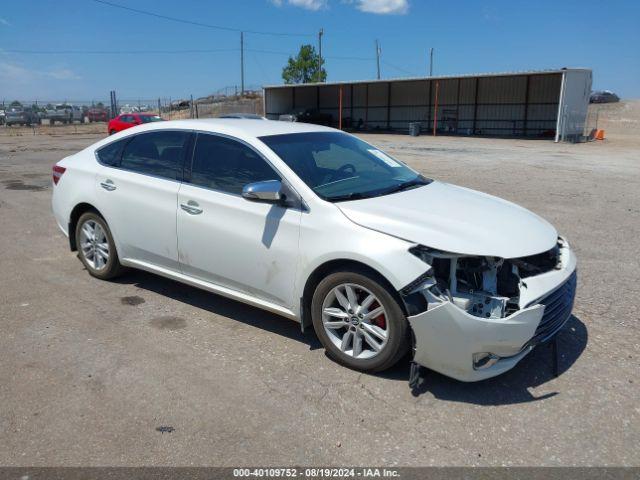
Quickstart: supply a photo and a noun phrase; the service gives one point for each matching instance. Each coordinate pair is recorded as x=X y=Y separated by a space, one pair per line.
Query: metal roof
x=444 y=77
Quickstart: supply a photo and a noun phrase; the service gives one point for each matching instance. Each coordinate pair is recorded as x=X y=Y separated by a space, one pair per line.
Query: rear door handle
x=108 y=185
x=191 y=207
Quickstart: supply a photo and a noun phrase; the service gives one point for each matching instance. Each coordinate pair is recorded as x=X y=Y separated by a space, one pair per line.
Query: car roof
x=237 y=127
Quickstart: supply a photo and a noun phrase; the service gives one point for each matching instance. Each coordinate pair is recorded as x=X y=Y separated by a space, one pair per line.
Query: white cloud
x=17 y=73
x=383 y=7
x=62 y=74
x=314 y=5
x=4 y=22
x=380 y=7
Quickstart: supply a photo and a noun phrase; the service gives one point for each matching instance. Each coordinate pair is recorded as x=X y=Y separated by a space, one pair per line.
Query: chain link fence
x=74 y=115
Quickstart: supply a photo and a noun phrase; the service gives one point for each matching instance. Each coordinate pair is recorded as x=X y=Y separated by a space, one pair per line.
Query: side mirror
x=268 y=191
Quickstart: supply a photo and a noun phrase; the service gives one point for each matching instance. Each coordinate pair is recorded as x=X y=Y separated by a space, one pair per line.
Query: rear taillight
x=57 y=173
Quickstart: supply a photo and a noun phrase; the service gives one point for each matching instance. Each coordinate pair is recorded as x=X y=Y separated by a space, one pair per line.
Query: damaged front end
x=476 y=317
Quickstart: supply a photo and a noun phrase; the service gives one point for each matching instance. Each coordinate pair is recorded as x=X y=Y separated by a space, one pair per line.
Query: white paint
x=264 y=254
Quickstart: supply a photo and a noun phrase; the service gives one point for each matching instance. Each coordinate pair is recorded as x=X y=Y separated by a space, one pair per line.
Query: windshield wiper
x=418 y=182
x=348 y=196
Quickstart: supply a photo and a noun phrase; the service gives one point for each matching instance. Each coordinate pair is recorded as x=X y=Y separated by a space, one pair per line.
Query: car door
x=227 y=240
x=137 y=188
x=118 y=123
x=126 y=121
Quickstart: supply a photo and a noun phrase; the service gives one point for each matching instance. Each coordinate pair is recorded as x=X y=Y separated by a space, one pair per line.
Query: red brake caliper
x=380 y=320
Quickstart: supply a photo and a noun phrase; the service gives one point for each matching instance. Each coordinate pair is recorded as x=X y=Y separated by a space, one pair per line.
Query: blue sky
x=468 y=36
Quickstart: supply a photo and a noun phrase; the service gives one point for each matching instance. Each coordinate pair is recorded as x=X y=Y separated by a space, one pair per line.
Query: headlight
x=423 y=253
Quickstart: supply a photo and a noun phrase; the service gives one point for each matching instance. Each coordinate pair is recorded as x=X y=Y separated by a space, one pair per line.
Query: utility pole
x=320 y=34
x=431 y=62
x=241 y=64
x=378 y=58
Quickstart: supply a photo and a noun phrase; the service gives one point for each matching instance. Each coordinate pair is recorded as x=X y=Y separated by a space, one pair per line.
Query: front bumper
x=14 y=120
x=447 y=337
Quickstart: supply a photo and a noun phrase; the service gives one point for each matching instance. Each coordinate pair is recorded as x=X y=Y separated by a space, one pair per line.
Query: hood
x=455 y=219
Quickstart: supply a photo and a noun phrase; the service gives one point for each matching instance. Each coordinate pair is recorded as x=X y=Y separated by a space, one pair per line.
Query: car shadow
x=511 y=387
x=219 y=305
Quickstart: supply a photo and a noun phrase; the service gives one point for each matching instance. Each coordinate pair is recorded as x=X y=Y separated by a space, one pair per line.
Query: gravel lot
x=89 y=370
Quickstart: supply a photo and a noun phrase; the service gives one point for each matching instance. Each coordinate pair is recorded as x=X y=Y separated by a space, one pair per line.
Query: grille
x=557 y=310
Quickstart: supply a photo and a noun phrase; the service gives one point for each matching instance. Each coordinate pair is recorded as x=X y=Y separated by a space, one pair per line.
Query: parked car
x=319 y=226
x=605 y=96
x=308 y=116
x=128 y=120
x=65 y=113
x=21 y=116
x=246 y=116
x=97 y=115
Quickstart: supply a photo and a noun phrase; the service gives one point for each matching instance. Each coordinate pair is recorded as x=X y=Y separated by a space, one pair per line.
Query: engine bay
x=486 y=287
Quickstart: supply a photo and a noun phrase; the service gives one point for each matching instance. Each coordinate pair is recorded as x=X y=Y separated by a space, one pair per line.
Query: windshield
x=62 y=107
x=149 y=118
x=341 y=167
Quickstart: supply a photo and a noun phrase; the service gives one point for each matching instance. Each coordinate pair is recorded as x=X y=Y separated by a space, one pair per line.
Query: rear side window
x=156 y=153
x=227 y=165
x=109 y=155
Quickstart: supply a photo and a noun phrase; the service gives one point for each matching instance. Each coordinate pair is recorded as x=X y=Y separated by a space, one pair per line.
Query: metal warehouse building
x=536 y=104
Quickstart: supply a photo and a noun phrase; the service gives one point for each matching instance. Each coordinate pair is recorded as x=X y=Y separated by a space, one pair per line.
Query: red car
x=128 y=120
x=97 y=115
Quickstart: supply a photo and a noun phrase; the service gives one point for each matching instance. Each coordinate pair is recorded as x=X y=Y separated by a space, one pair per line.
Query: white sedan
x=319 y=226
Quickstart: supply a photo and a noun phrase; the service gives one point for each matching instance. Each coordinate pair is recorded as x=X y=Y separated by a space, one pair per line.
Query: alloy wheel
x=355 y=321
x=94 y=245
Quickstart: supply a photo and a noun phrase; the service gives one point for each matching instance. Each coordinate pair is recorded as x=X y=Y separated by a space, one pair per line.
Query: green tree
x=306 y=67
x=15 y=103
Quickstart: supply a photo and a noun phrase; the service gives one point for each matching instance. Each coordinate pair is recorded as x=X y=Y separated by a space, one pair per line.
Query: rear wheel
x=359 y=321
x=96 y=247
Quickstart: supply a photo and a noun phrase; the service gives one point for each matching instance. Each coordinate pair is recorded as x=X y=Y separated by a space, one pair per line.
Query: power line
x=331 y=57
x=168 y=52
x=115 y=52
x=200 y=24
x=413 y=74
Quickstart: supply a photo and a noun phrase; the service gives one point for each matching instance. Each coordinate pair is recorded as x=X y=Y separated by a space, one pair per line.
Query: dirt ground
x=89 y=370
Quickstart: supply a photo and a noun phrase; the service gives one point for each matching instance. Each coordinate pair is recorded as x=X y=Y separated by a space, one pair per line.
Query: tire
x=111 y=132
x=90 y=258
x=392 y=321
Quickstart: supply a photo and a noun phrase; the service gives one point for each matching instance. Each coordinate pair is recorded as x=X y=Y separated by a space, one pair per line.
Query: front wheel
x=96 y=247
x=359 y=322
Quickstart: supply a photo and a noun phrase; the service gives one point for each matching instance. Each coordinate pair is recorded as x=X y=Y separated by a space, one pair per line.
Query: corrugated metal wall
x=518 y=105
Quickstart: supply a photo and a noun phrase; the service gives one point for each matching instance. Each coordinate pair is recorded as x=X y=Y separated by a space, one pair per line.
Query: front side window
x=227 y=165
x=338 y=167
x=155 y=153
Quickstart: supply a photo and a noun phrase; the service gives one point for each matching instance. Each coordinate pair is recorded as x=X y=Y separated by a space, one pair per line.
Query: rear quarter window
x=110 y=154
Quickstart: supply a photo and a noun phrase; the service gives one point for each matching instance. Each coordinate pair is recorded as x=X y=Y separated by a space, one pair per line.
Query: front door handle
x=191 y=207
x=108 y=185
